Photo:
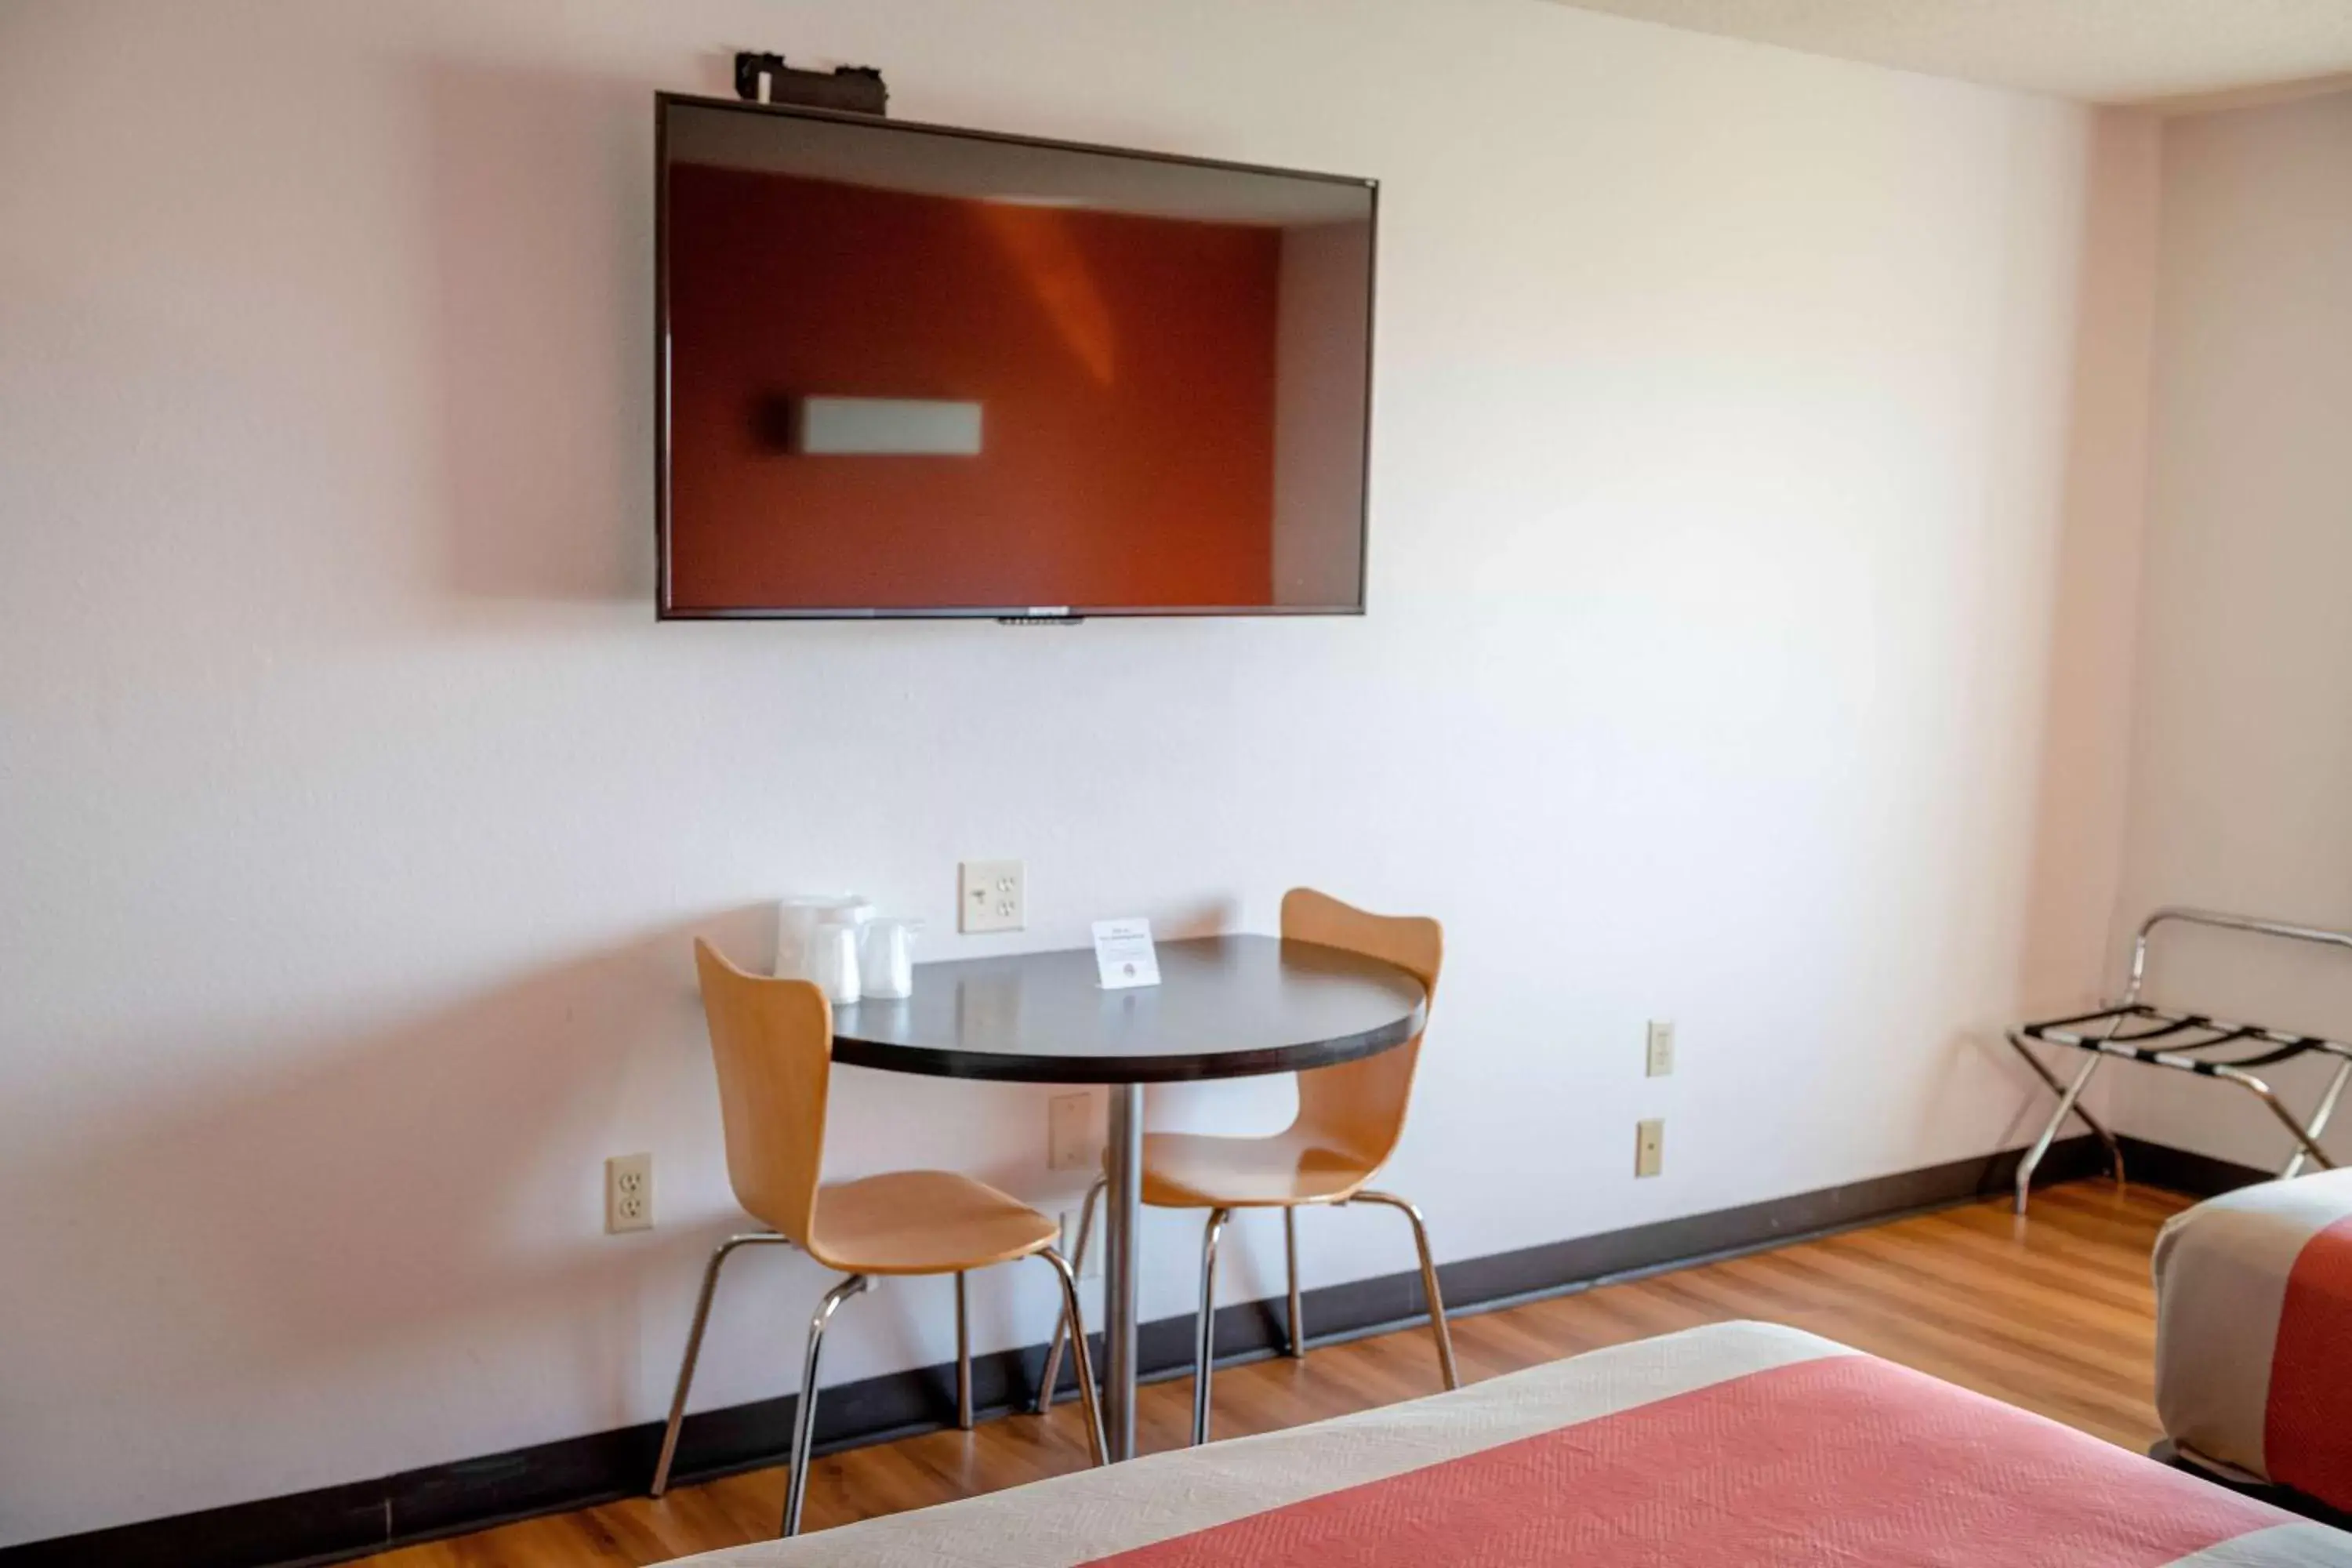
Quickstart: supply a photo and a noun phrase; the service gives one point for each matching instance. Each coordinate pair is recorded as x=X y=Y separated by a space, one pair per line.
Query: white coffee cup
x=797 y=917
x=832 y=958
x=886 y=958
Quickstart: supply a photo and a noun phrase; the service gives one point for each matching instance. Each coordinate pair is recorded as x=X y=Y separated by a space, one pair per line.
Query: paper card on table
x=1124 y=955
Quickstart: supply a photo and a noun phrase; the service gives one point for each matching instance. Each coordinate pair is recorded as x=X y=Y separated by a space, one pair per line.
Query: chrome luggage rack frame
x=2103 y=1034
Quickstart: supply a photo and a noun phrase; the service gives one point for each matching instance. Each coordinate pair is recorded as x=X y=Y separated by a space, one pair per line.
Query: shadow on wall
x=542 y=213
x=2069 y=954
x=2065 y=957
x=2024 y=1123
x=1210 y=917
x=373 y=1194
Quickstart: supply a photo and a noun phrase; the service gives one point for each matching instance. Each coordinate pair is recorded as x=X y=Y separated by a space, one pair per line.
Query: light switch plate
x=1649 y=1148
x=991 y=896
x=1661 y=1047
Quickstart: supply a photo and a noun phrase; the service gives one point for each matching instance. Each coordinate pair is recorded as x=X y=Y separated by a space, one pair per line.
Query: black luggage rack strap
x=2283 y=1046
x=2131 y=1029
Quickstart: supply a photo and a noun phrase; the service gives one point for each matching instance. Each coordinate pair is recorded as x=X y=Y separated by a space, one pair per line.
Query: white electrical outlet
x=1649 y=1148
x=1090 y=1265
x=990 y=896
x=1661 y=1047
x=1070 y=1132
x=628 y=1194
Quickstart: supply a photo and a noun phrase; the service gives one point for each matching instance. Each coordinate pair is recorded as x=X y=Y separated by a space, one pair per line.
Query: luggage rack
x=2132 y=1029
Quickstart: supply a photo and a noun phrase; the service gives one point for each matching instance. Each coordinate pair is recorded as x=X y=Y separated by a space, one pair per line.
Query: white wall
x=354 y=814
x=2242 y=754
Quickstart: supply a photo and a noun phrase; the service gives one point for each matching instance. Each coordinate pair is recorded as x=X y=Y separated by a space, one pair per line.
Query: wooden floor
x=2056 y=1314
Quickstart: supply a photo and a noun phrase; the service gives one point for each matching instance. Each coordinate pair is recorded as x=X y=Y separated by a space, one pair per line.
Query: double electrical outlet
x=1072 y=1141
x=990 y=895
x=628 y=1194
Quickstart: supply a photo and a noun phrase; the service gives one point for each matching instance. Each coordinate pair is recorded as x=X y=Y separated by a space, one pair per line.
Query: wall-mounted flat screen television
x=913 y=371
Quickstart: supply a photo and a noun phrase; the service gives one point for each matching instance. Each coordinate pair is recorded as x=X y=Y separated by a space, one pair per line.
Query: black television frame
x=667 y=610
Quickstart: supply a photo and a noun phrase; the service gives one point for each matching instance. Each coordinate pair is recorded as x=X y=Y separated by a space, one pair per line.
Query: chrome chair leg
x=1437 y=1324
x=2320 y=1117
x=1090 y=1399
x=1045 y=1384
x=1204 y=1353
x=694 y=1347
x=804 y=1415
x=2067 y=1098
x=1294 y=1326
x=963 y=1355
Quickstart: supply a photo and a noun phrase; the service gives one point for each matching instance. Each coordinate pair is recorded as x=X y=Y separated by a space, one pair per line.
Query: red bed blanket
x=1743 y=1442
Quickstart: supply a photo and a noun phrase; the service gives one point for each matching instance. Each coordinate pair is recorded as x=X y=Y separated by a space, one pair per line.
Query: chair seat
x=1191 y=1171
x=923 y=1222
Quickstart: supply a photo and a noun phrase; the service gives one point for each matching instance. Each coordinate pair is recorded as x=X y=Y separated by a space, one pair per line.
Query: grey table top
x=1226 y=1006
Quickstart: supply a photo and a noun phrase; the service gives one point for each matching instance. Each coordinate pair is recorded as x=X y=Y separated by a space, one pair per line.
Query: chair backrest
x=772 y=1043
x=1358 y=1107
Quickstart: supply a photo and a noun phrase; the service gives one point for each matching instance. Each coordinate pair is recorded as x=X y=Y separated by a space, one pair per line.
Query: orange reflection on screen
x=1125 y=366
x=1039 y=244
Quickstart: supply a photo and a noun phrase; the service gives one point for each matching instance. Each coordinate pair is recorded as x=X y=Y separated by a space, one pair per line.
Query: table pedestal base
x=1124 y=1200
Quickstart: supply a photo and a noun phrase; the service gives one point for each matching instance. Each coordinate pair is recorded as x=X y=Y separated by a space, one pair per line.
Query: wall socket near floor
x=990 y=896
x=628 y=1194
x=1070 y=1143
x=1649 y=1147
x=1090 y=1265
x=1661 y=1047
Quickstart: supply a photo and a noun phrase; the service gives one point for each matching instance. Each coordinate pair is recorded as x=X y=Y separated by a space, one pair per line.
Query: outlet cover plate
x=1070 y=1143
x=990 y=895
x=628 y=1194
x=1650 y=1148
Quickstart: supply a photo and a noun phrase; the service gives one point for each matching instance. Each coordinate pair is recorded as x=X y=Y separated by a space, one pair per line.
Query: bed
x=1741 y=1443
x=2253 y=1338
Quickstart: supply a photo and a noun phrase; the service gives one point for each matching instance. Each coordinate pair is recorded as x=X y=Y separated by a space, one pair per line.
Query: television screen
x=912 y=371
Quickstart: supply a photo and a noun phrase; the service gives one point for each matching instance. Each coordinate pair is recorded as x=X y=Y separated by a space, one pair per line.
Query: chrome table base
x=1120 y=1268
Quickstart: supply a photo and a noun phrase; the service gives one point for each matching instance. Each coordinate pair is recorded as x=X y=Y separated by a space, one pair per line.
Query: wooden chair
x=773 y=1042
x=1350 y=1118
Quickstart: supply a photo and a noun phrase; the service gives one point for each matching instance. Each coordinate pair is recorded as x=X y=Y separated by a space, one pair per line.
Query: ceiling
x=2166 y=52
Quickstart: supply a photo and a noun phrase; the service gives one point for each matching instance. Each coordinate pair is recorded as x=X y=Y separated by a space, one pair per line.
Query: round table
x=1226 y=1006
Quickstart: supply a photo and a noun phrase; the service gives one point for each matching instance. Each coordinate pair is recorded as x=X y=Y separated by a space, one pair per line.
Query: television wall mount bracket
x=766 y=78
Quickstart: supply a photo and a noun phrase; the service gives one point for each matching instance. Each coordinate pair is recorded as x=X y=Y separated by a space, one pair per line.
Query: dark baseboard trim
x=2184 y=1171
x=335 y=1524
